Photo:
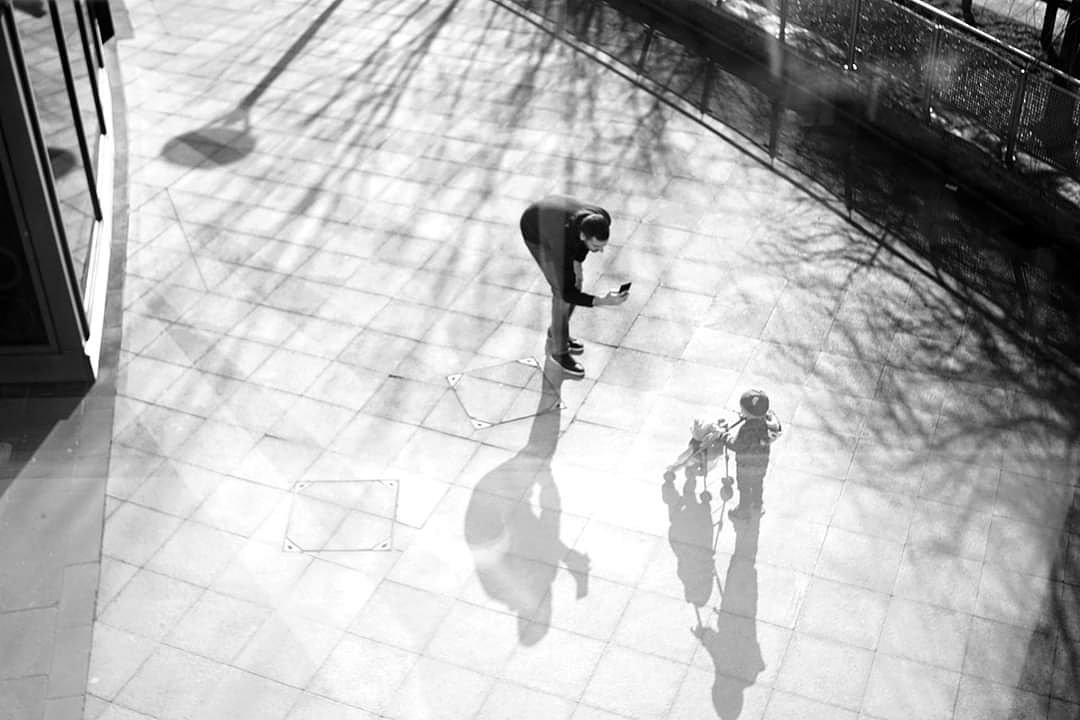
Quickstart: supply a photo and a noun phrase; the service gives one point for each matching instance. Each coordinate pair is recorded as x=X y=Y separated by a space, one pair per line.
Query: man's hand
x=614 y=297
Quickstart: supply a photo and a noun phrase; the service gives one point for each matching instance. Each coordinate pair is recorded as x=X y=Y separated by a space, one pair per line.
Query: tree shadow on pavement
x=974 y=395
x=345 y=155
x=512 y=524
x=951 y=329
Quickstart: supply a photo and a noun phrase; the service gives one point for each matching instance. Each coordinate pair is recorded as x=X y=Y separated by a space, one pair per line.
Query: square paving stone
x=929 y=634
x=843 y=612
x=657 y=624
x=437 y=690
x=342 y=516
x=873 y=512
x=362 y=673
x=939 y=578
x=983 y=700
x=241 y=694
x=634 y=684
x=26 y=637
x=480 y=639
x=314 y=707
x=1009 y=655
x=504 y=392
x=217 y=626
x=289 y=649
x=902 y=689
x=826 y=671
x=23 y=697
x=785 y=706
x=859 y=559
x=171 y=684
x=560 y=663
x=509 y=701
x=400 y=615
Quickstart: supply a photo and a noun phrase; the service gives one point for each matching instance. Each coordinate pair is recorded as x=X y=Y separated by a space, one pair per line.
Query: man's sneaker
x=573 y=345
x=569 y=365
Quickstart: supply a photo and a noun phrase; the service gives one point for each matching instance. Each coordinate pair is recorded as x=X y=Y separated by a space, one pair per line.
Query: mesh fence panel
x=881 y=189
x=969 y=256
x=896 y=43
x=1053 y=311
x=829 y=19
x=676 y=68
x=739 y=105
x=1048 y=124
x=818 y=144
x=613 y=33
x=976 y=82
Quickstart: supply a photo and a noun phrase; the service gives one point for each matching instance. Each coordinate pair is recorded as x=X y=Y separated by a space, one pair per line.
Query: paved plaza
x=344 y=484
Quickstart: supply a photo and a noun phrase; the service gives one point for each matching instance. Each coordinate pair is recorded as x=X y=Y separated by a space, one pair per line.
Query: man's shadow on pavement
x=515 y=541
x=733 y=645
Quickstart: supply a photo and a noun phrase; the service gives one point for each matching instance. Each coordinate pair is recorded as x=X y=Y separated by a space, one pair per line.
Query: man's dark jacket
x=553 y=227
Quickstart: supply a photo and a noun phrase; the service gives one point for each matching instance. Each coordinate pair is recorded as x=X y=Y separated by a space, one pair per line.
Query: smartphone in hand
x=624 y=288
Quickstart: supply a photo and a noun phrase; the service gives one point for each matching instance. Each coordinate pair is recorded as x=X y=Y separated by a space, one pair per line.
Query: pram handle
x=733 y=425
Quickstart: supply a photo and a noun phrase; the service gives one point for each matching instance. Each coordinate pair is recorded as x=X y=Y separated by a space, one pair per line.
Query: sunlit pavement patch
x=505 y=392
x=342 y=516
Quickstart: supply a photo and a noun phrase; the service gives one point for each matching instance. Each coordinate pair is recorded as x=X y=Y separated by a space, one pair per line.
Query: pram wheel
x=706 y=496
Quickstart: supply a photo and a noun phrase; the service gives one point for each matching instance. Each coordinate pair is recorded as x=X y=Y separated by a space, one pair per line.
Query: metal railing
x=60 y=50
x=944 y=72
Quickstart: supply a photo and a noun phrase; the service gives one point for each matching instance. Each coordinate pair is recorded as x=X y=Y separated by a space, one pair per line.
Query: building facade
x=57 y=163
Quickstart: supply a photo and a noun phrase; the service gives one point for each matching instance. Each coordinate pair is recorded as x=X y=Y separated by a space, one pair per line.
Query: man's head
x=594 y=232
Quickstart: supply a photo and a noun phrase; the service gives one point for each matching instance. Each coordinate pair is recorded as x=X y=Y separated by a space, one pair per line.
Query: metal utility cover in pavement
x=504 y=393
x=342 y=516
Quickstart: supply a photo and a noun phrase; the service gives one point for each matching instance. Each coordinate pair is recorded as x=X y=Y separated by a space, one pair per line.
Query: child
x=750 y=440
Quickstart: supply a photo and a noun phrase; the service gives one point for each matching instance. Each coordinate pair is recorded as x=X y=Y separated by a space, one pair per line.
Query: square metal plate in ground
x=342 y=516
x=505 y=392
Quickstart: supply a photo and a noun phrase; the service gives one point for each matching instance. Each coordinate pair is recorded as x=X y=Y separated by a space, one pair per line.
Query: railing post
x=91 y=69
x=776 y=117
x=853 y=32
x=645 y=49
x=706 y=89
x=931 y=73
x=1014 y=118
x=73 y=100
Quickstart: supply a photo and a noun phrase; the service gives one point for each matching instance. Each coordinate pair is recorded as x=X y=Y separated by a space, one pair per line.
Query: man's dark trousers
x=561 y=310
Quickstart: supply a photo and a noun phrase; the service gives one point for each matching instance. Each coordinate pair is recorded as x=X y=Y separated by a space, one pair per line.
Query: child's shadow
x=691 y=536
x=733 y=645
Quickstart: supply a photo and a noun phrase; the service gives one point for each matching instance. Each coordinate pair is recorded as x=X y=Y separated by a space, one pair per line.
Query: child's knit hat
x=755 y=403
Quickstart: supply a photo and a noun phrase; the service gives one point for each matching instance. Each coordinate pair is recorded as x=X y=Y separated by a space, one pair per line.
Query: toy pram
x=705 y=448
